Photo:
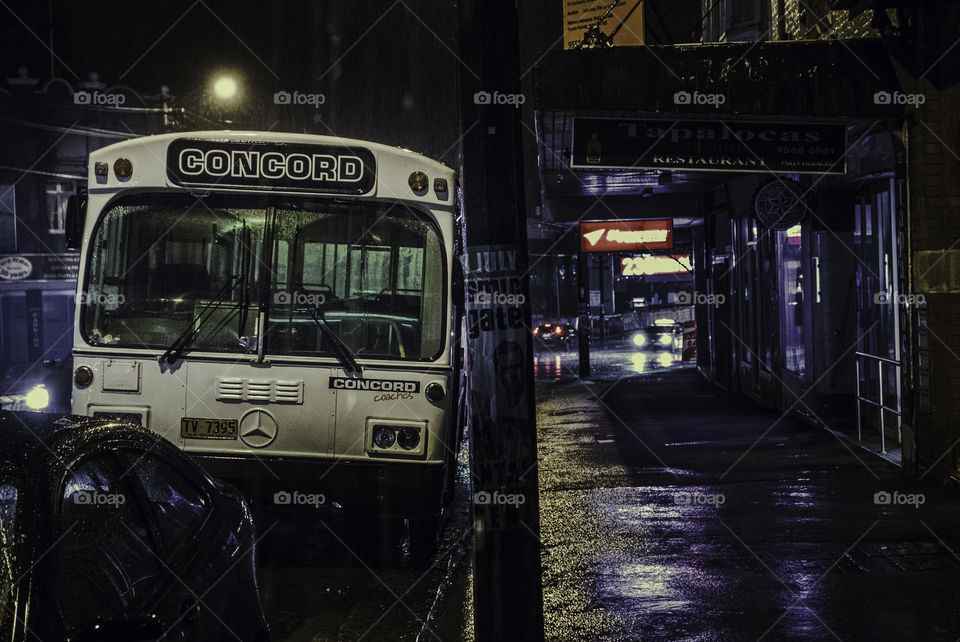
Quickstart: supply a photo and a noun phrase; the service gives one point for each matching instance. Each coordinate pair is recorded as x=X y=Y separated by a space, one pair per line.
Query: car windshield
x=184 y=274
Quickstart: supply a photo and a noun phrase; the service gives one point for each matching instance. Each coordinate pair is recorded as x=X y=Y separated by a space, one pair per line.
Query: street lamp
x=225 y=87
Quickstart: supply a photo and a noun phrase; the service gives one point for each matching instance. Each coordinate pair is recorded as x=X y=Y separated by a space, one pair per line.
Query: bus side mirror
x=75 y=219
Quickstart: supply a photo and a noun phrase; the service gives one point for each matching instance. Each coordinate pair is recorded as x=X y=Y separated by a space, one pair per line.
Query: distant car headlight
x=665 y=339
x=38 y=398
x=639 y=339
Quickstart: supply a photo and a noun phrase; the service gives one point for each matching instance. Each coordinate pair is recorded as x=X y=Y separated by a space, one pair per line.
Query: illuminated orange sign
x=626 y=236
x=655 y=264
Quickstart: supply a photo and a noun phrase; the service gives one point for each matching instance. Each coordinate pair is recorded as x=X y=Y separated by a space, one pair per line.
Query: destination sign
x=328 y=169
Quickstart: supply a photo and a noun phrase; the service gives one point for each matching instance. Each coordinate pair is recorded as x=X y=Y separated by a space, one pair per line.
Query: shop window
x=57 y=196
x=8 y=219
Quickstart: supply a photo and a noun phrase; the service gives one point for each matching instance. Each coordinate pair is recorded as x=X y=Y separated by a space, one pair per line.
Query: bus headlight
x=665 y=339
x=38 y=398
x=640 y=339
x=83 y=376
x=409 y=438
x=384 y=437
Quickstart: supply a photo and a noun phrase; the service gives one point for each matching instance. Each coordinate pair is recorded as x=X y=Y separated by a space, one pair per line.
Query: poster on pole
x=497 y=360
x=626 y=18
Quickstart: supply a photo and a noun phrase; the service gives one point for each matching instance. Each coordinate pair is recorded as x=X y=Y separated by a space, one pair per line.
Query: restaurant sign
x=709 y=145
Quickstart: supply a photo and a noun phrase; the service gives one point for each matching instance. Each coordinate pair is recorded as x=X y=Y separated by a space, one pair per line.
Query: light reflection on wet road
x=609 y=360
x=656 y=525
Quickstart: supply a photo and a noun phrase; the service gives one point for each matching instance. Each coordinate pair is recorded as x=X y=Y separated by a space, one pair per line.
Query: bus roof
x=270 y=162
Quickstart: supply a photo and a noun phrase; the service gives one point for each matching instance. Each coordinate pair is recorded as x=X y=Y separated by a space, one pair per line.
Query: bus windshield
x=231 y=276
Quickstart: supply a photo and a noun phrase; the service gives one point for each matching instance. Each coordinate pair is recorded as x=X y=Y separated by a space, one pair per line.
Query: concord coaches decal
x=329 y=169
x=376 y=385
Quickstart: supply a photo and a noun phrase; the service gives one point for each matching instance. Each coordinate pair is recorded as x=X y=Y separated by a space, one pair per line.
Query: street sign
x=39 y=267
x=626 y=236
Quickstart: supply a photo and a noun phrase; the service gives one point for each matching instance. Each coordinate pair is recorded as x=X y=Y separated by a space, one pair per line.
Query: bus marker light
x=418 y=181
x=123 y=168
x=434 y=392
x=100 y=169
x=440 y=185
x=83 y=376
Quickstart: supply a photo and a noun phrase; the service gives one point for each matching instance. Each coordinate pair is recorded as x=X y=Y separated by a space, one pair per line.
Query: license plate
x=194 y=428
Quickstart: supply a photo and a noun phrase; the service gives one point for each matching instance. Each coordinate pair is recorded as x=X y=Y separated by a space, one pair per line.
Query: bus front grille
x=260 y=390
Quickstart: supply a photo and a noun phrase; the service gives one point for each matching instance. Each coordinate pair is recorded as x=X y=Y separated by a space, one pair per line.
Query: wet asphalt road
x=675 y=511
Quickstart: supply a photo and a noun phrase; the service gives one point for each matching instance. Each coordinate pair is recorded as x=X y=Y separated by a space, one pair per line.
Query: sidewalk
x=676 y=511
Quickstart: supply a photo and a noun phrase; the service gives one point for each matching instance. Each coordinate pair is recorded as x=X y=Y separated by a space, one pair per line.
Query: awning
x=819 y=79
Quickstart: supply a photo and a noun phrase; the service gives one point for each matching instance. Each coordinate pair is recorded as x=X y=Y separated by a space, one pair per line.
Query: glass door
x=878 y=319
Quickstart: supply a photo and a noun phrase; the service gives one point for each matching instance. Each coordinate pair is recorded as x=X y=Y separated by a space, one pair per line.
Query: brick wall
x=934 y=177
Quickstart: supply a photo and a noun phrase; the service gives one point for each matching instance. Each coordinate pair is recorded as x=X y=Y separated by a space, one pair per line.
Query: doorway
x=879 y=300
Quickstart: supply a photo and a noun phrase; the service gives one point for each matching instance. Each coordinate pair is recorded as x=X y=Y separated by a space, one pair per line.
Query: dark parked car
x=109 y=532
x=555 y=333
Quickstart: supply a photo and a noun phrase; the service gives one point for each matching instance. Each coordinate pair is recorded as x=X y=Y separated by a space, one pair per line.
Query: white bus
x=284 y=307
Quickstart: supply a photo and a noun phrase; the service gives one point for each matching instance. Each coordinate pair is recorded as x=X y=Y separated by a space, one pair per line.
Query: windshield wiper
x=176 y=349
x=344 y=355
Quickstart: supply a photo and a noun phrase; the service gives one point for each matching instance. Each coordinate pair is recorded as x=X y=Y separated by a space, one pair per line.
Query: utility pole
x=507 y=590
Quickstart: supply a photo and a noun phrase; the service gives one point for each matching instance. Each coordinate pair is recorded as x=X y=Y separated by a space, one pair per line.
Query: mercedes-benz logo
x=258 y=428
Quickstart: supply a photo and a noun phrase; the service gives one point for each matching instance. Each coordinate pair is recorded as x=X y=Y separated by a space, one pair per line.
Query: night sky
x=386 y=70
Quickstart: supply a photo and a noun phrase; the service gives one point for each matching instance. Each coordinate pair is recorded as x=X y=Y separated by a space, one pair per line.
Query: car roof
x=27 y=434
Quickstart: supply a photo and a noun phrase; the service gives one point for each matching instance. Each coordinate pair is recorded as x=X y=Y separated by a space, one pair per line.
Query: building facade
x=837 y=263
x=48 y=128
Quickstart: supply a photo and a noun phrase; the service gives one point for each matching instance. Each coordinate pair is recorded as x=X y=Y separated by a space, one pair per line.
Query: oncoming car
x=664 y=334
x=109 y=533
